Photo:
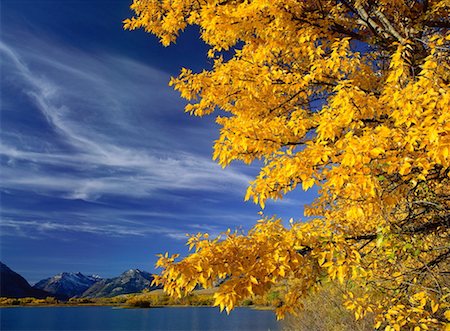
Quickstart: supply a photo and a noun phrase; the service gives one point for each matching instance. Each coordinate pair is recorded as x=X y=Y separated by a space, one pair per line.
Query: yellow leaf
x=376 y=151
x=253 y=280
x=434 y=306
x=340 y=274
x=307 y=184
x=447 y=315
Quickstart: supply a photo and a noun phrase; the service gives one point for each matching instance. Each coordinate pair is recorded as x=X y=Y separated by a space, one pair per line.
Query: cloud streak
x=90 y=105
x=32 y=228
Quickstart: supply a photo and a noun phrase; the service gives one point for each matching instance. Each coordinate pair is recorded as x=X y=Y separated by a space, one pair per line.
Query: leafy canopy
x=352 y=96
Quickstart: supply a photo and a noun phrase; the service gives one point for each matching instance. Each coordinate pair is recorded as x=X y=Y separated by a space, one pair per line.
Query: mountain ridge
x=66 y=285
x=130 y=281
x=13 y=285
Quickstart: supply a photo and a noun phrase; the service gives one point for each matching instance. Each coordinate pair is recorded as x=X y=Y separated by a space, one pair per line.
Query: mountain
x=13 y=285
x=131 y=281
x=67 y=284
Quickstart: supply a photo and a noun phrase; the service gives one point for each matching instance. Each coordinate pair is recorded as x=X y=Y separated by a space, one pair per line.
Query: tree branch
x=437 y=24
x=388 y=26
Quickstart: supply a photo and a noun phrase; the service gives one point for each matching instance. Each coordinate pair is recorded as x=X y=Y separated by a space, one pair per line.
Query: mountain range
x=66 y=285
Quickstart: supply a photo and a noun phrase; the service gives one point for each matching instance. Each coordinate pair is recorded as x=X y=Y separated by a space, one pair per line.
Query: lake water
x=108 y=318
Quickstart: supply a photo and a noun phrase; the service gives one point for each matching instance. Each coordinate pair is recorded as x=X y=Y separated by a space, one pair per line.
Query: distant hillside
x=131 y=281
x=13 y=285
x=67 y=284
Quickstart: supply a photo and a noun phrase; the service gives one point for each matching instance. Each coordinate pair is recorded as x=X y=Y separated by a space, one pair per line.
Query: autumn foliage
x=352 y=96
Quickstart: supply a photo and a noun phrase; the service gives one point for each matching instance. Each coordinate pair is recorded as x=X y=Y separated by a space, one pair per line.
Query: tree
x=352 y=96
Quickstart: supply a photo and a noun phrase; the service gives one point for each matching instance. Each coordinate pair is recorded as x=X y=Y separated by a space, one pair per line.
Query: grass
x=146 y=299
x=324 y=310
x=158 y=298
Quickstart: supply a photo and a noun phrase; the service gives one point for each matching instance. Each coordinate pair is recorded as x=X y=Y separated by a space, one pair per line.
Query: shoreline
x=121 y=306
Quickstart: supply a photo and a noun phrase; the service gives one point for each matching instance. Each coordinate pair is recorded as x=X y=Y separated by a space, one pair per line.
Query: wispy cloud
x=104 y=110
x=140 y=180
x=35 y=229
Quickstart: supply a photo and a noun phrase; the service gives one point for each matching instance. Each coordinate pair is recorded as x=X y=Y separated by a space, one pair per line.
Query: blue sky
x=100 y=167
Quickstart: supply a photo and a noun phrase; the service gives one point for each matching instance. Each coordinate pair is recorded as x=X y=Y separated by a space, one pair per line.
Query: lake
x=109 y=318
